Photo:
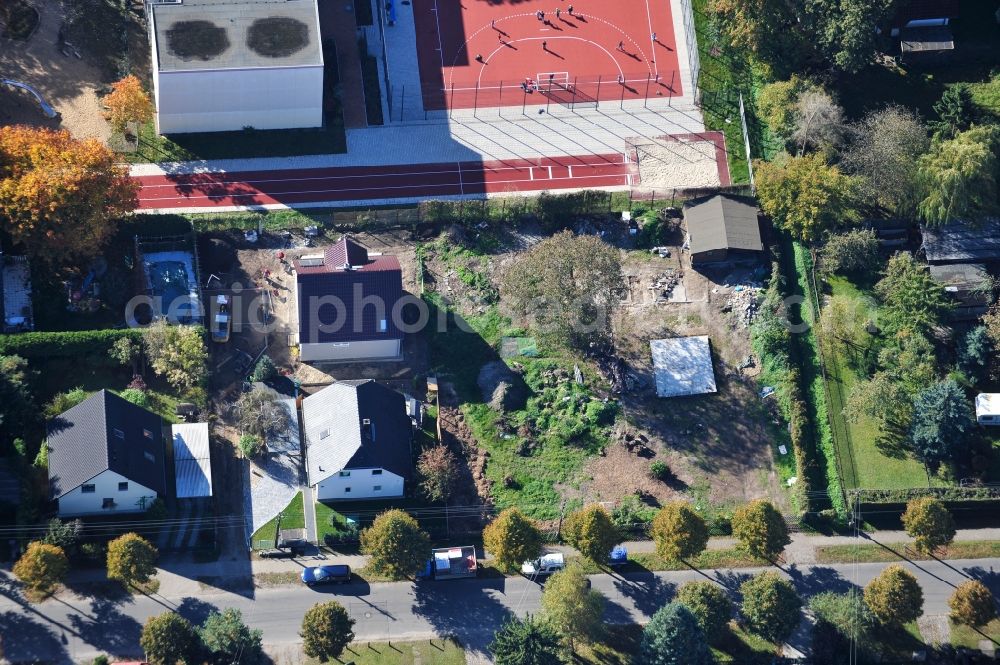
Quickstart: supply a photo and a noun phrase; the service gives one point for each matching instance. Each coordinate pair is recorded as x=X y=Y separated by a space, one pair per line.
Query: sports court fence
x=512 y=210
x=691 y=42
x=540 y=89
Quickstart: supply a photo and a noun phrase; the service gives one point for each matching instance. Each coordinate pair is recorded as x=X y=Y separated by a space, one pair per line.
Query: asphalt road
x=72 y=627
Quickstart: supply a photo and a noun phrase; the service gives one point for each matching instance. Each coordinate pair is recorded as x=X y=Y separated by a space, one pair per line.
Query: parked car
x=544 y=565
x=336 y=574
x=618 y=557
x=275 y=553
x=223 y=321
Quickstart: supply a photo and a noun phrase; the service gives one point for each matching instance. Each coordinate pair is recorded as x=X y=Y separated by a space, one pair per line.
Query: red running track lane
x=319 y=185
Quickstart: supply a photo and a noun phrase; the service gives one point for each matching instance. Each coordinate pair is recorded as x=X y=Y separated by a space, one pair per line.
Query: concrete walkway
x=338 y=22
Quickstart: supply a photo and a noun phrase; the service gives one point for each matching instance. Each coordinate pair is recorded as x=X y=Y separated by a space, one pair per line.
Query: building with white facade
x=106 y=455
x=358 y=438
x=225 y=65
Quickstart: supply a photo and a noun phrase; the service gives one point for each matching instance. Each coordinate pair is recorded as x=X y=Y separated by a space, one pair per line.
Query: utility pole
x=277 y=529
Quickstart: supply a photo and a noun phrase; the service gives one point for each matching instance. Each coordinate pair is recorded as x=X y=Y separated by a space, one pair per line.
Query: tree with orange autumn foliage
x=59 y=196
x=127 y=102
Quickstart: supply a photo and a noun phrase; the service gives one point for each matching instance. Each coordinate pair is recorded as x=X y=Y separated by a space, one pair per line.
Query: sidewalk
x=188 y=578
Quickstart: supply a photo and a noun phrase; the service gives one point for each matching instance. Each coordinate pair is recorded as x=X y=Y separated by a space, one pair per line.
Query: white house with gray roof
x=106 y=455
x=358 y=438
x=224 y=65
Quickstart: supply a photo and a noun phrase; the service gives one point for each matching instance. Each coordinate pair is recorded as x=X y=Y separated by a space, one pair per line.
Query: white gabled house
x=358 y=438
x=106 y=455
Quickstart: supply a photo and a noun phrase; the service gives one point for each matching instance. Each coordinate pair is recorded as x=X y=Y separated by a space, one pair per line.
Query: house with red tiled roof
x=348 y=305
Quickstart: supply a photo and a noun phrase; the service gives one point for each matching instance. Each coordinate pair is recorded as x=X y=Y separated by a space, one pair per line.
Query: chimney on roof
x=367 y=431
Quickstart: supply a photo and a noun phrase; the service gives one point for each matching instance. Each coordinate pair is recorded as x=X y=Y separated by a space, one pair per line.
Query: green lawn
x=423 y=652
x=870 y=552
x=293 y=518
x=864 y=465
x=329 y=522
x=620 y=644
x=965 y=636
x=730 y=557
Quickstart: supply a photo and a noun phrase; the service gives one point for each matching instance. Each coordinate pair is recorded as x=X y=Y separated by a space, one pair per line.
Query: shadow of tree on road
x=107 y=628
x=463 y=609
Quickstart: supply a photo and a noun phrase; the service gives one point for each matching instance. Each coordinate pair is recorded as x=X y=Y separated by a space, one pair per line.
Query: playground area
x=537 y=52
x=67 y=82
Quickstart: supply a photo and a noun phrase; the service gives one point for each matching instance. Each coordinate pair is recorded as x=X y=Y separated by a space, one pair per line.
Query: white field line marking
x=327 y=177
x=652 y=44
x=437 y=24
x=538 y=39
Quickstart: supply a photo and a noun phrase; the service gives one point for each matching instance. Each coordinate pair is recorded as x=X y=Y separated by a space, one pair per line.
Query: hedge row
x=772 y=344
x=947 y=494
x=63 y=344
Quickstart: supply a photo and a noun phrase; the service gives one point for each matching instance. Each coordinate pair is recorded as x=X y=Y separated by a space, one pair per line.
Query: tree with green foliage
x=526 y=642
x=805 y=196
x=895 y=597
x=673 y=637
x=41 y=568
x=776 y=105
x=177 y=353
x=761 y=529
x=168 y=639
x=710 y=605
x=567 y=287
x=512 y=539
x=959 y=177
x=395 y=544
x=264 y=370
x=327 y=629
x=770 y=606
x=137 y=397
x=65 y=401
x=17 y=406
x=853 y=252
x=975 y=353
x=954 y=110
x=942 y=423
x=884 y=153
x=127 y=351
x=929 y=523
x=910 y=297
x=229 y=640
x=572 y=607
x=592 y=532
x=439 y=472
x=64 y=535
x=678 y=532
x=972 y=604
x=842 y=619
x=131 y=559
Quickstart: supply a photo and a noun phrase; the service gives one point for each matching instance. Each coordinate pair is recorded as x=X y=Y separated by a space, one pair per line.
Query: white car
x=544 y=565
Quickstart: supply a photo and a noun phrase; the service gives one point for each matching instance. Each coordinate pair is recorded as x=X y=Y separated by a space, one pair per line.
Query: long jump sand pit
x=693 y=161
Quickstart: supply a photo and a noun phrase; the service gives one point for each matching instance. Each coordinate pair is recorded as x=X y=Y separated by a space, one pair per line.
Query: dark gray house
x=721 y=228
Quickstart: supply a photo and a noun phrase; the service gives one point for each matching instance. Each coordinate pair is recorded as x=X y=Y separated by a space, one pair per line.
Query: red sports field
x=478 y=53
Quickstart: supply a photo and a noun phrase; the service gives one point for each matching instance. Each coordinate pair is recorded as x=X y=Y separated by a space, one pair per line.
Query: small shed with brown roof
x=723 y=228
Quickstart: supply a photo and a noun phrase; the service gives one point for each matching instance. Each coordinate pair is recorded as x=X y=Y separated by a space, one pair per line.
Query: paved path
x=337 y=21
x=72 y=628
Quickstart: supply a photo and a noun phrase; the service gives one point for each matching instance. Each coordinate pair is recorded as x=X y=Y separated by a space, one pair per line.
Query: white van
x=544 y=565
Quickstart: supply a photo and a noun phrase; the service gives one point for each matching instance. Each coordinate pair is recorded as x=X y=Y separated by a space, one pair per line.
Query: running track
x=418 y=181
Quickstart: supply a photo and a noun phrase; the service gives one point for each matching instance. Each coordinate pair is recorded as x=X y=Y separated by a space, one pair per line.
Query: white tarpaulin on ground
x=682 y=366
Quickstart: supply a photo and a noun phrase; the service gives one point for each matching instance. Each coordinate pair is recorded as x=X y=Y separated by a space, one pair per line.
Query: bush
x=251 y=445
x=659 y=470
x=770 y=606
x=709 y=604
x=972 y=604
x=137 y=397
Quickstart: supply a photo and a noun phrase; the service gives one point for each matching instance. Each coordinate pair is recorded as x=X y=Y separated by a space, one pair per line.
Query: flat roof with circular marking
x=236 y=34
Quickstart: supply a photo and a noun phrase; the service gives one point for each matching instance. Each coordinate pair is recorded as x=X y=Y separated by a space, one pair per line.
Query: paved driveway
x=276 y=480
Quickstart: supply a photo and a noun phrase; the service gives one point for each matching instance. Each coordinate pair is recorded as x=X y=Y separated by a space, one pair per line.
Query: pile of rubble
x=663 y=284
x=743 y=302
